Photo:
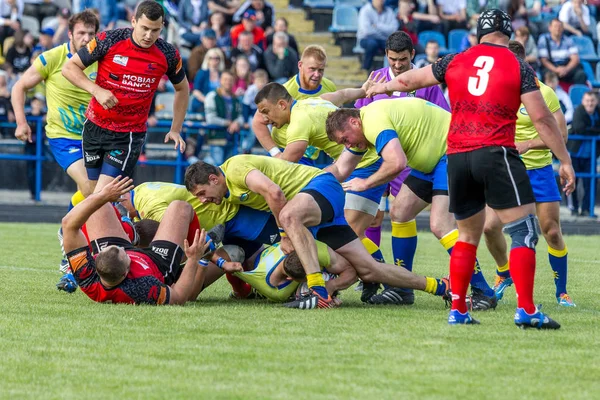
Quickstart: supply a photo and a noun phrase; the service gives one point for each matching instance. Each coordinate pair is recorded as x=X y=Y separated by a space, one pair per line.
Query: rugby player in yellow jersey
x=66 y=107
x=538 y=161
x=404 y=132
x=308 y=83
x=301 y=198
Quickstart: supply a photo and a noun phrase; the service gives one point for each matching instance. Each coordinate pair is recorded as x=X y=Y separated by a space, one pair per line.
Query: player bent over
x=316 y=202
x=119 y=272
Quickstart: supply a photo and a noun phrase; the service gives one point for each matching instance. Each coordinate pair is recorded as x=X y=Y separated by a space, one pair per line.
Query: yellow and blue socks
x=404 y=243
x=558 y=263
x=373 y=249
x=77 y=198
x=316 y=283
x=503 y=271
x=477 y=279
x=435 y=286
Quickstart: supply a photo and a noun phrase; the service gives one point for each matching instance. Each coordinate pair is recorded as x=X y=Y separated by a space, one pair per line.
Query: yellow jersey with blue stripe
x=151 y=200
x=265 y=264
x=290 y=177
x=66 y=102
x=421 y=126
x=294 y=89
x=537 y=158
x=307 y=123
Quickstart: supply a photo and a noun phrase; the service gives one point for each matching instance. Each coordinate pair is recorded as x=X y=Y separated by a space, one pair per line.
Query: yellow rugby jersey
x=290 y=177
x=264 y=265
x=307 y=123
x=294 y=89
x=151 y=200
x=421 y=126
x=535 y=159
x=66 y=102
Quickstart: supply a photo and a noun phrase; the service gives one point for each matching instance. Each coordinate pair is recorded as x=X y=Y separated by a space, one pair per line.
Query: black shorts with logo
x=494 y=175
x=166 y=255
x=120 y=150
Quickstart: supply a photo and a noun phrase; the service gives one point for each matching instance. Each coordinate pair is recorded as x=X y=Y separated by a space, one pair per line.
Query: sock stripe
x=558 y=253
x=404 y=229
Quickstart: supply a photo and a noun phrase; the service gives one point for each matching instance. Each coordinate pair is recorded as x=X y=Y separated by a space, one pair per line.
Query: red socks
x=462 y=260
x=194 y=226
x=240 y=288
x=522 y=271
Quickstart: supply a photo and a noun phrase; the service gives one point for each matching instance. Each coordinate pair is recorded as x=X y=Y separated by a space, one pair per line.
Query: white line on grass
x=14 y=268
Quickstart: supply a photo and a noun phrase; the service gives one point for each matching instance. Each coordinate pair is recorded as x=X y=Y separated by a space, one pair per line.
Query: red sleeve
x=99 y=46
x=175 y=71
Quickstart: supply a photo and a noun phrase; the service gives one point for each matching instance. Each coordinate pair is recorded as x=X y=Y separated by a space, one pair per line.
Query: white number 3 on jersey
x=478 y=85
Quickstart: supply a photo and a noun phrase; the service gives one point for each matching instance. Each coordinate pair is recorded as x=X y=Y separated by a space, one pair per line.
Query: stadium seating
x=164 y=105
x=63 y=3
x=50 y=22
x=344 y=26
x=589 y=73
x=426 y=36
x=419 y=57
x=586 y=48
x=455 y=37
x=320 y=11
x=576 y=93
x=31 y=24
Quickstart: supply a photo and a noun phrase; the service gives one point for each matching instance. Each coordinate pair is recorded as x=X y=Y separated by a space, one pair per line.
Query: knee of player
x=182 y=206
x=523 y=232
x=552 y=233
x=491 y=228
x=440 y=228
x=288 y=217
x=235 y=253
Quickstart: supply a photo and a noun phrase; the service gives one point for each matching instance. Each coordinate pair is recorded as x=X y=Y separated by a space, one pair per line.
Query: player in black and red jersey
x=130 y=66
x=487 y=84
x=117 y=272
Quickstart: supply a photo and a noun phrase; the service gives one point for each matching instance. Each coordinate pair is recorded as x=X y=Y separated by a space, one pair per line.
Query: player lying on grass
x=307 y=202
x=121 y=273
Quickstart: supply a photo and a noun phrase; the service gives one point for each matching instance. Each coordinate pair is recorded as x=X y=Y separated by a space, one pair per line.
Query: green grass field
x=55 y=345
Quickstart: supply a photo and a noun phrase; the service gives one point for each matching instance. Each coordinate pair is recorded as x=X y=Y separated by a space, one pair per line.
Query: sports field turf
x=56 y=345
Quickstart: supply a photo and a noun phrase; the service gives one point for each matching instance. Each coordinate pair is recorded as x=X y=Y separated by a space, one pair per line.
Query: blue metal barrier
x=593 y=174
x=39 y=155
x=180 y=163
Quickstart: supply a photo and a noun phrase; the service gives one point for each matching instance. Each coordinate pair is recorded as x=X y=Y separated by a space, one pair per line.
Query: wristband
x=220 y=262
x=274 y=151
x=203 y=263
x=282 y=233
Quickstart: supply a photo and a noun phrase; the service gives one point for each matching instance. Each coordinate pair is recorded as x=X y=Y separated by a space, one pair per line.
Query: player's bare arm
x=73 y=71
x=344 y=165
x=182 y=289
x=394 y=161
x=28 y=80
x=259 y=183
x=74 y=220
x=294 y=151
x=408 y=81
x=343 y=96
x=547 y=128
x=180 y=104
x=343 y=269
x=259 y=126
x=537 y=143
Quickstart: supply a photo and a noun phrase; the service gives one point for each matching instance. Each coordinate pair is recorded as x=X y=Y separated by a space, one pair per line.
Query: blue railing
x=593 y=171
x=180 y=163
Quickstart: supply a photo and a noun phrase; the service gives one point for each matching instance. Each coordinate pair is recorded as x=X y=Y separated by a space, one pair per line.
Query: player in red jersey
x=130 y=66
x=120 y=273
x=487 y=84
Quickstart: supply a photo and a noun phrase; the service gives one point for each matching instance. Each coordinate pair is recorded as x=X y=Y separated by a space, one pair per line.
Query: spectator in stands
x=469 y=40
x=586 y=122
x=407 y=22
x=523 y=36
x=432 y=51
x=207 y=79
x=551 y=80
x=224 y=109
x=108 y=12
x=44 y=41
x=227 y=7
x=476 y=7
x=193 y=17
x=265 y=13
x=11 y=12
x=559 y=54
x=261 y=78
x=18 y=57
x=221 y=29
x=521 y=11
x=280 y=59
x=6 y=110
x=61 y=35
x=37 y=109
x=249 y=25
x=375 y=23
x=281 y=25
x=242 y=76
x=424 y=12
x=453 y=14
x=196 y=59
x=40 y=9
x=576 y=18
x=246 y=47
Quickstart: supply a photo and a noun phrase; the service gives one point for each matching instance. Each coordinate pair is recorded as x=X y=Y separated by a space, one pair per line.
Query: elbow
x=399 y=165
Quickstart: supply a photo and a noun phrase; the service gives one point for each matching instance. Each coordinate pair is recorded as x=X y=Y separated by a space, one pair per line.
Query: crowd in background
x=233 y=48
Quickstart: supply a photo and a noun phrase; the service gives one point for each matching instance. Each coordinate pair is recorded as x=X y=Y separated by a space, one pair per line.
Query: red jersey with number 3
x=132 y=74
x=485 y=84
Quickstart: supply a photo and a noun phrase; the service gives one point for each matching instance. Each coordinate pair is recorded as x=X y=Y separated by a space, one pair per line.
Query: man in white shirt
x=375 y=23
